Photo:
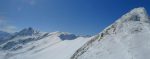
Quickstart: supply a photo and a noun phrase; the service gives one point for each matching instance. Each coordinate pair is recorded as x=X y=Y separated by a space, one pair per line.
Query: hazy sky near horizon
x=86 y=17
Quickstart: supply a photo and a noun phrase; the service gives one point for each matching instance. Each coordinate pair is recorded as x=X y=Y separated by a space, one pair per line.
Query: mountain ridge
x=123 y=34
x=127 y=38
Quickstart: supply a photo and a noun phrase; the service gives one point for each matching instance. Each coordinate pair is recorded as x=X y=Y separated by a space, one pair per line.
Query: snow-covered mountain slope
x=30 y=44
x=127 y=38
x=61 y=50
x=4 y=36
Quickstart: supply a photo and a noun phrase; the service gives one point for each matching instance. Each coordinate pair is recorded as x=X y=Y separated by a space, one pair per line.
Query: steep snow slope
x=30 y=44
x=127 y=38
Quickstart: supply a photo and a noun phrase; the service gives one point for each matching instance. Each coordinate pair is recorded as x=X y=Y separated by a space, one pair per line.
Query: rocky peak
x=64 y=35
x=28 y=31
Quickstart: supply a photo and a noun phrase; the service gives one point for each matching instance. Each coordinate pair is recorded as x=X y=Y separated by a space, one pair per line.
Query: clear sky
x=86 y=17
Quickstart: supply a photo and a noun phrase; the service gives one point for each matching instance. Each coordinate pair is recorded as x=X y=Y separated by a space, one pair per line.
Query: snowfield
x=32 y=44
x=60 y=50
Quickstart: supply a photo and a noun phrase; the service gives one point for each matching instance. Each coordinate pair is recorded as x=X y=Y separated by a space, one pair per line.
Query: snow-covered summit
x=28 y=32
x=133 y=17
x=137 y=14
x=127 y=38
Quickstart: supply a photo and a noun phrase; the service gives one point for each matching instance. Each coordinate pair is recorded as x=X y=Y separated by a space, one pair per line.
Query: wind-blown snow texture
x=32 y=44
x=127 y=38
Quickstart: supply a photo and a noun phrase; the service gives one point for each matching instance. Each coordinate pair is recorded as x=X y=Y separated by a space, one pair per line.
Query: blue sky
x=85 y=17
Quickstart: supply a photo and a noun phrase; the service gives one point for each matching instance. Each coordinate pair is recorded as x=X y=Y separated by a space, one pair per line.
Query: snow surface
x=32 y=44
x=61 y=50
x=127 y=38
